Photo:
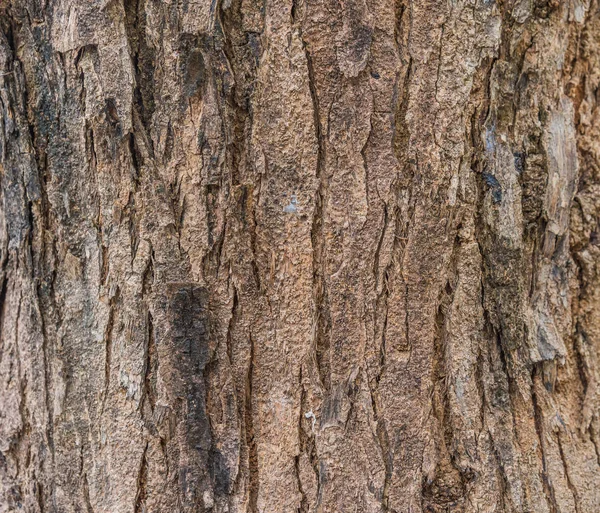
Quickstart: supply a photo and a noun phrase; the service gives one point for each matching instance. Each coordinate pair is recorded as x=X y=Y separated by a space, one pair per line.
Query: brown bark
x=299 y=256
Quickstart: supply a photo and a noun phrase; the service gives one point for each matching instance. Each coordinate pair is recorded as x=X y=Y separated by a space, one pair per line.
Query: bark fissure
x=140 y=501
x=253 y=463
x=549 y=489
x=570 y=484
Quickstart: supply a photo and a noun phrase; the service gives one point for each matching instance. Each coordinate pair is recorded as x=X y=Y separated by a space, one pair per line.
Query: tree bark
x=299 y=256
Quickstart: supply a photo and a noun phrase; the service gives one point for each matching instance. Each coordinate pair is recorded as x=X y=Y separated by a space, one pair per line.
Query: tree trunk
x=273 y=256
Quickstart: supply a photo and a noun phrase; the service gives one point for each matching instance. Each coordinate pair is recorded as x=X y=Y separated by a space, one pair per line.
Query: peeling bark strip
x=306 y=256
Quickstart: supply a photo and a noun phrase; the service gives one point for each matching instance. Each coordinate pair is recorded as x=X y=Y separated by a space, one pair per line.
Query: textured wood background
x=311 y=256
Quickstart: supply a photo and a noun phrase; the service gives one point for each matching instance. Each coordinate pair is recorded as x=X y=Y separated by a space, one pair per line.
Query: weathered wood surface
x=299 y=256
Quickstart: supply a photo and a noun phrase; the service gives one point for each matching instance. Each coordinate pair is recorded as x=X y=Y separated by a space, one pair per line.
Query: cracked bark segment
x=181 y=331
x=355 y=38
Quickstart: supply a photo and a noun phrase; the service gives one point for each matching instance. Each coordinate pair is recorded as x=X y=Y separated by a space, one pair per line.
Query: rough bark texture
x=300 y=256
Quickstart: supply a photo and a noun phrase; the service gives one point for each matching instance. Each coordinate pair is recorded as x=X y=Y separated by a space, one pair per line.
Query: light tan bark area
x=313 y=256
